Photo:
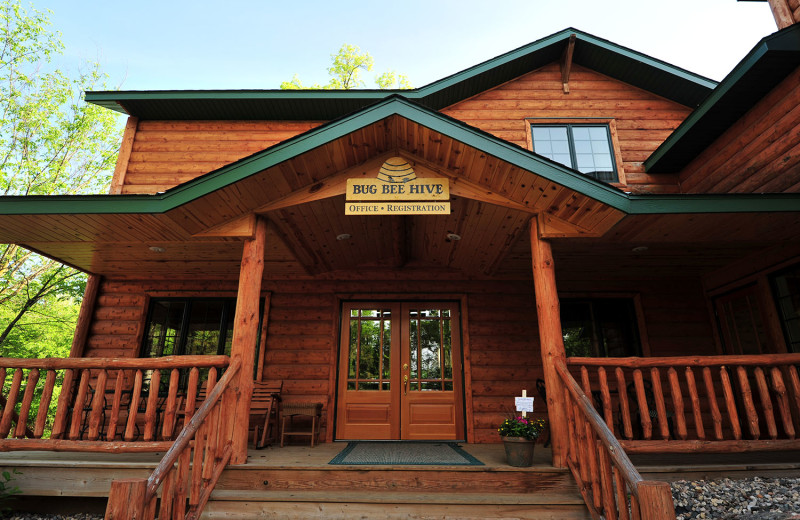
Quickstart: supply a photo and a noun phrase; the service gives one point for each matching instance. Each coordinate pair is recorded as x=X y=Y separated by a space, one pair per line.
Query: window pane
x=204 y=327
x=370 y=351
x=164 y=331
x=552 y=142
x=600 y=327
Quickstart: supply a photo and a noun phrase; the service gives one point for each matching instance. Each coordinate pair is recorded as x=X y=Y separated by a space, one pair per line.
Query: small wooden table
x=291 y=410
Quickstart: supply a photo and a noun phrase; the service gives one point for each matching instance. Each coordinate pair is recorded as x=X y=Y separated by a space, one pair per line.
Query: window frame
x=611 y=128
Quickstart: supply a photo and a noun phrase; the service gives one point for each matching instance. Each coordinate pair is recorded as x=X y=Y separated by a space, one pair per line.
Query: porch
x=297 y=480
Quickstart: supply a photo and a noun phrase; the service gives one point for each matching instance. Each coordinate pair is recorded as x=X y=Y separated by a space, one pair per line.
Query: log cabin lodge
x=616 y=235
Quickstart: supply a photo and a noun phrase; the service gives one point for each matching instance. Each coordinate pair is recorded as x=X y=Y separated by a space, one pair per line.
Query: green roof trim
x=396 y=105
x=765 y=66
x=596 y=53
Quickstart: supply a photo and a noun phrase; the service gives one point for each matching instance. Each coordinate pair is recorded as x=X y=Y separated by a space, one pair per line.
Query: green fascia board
x=783 y=46
x=689 y=88
x=395 y=105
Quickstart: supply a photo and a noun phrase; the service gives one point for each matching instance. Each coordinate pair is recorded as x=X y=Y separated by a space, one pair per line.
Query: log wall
x=760 y=153
x=168 y=153
x=501 y=341
x=643 y=120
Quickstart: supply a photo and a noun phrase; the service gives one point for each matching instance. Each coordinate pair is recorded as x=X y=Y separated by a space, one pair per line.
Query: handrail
x=697 y=403
x=116 y=363
x=597 y=459
x=699 y=361
x=189 y=431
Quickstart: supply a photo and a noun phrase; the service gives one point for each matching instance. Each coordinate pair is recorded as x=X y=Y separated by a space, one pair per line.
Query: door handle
x=405 y=385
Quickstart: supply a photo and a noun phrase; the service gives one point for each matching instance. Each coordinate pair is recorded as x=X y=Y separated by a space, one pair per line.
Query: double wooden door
x=400 y=373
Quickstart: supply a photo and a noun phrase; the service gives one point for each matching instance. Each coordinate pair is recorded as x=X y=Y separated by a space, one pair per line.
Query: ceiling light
x=640 y=249
x=453 y=236
x=343 y=236
x=157 y=249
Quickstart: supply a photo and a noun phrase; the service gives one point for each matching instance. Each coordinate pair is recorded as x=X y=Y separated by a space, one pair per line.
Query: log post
x=245 y=333
x=85 y=315
x=551 y=340
x=126 y=499
x=655 y=500
x=782 y=13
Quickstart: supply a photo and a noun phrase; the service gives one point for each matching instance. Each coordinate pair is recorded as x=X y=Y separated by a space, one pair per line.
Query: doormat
x=405 y=454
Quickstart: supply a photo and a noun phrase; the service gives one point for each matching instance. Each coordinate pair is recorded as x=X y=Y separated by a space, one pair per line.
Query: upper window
x=583 y=147
x=600 y=327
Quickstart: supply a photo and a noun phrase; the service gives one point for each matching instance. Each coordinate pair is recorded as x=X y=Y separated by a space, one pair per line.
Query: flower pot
x=519 y=451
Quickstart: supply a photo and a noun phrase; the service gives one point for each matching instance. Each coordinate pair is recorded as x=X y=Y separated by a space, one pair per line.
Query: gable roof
x=396 y=105
x=601 y=55
x=770 y=62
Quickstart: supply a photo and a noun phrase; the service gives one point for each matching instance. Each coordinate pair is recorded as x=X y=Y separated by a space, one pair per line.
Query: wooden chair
x=264 y=411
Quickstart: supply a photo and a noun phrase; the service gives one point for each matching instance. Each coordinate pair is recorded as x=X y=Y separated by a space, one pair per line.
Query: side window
x=584 y=147
x=600 y=327
x=786 y=289
x=189 y=327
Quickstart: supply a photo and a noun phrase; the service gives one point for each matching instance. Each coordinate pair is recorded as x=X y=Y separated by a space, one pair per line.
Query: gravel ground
x=747 y=499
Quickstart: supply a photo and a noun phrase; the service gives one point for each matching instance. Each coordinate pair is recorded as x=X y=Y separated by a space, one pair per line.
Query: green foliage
x=522 y=427
x=345 y=72
x=7 y=490
x=51 y=141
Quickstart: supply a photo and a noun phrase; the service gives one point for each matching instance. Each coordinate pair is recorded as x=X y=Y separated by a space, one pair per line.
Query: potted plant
x=519 y=436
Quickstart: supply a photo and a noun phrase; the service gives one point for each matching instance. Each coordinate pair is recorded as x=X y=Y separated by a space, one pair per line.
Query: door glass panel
x=369 y=356
x=430 y=345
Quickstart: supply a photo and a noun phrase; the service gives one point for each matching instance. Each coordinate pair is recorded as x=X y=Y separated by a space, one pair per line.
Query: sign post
x=524 y=404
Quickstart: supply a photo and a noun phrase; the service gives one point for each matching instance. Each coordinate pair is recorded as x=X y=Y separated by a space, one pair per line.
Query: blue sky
x=236 y=44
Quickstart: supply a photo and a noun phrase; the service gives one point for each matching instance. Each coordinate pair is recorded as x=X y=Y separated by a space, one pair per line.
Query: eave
x=769 y=63
x=590 y=51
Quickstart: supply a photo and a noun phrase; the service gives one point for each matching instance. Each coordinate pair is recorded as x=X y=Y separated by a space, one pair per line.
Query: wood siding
x=643 y=120
x=501 y=341
x=168 y=153
x=760 y=153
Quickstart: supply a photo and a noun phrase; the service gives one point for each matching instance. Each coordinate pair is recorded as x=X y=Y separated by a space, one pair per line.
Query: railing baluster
x=730 y=403
x=197 y=464
x=747 y=399
x=605 y=393
x=27 y=399
x=621 y=489
x=783 y=402
x=44 y=404
x=167 y=495
x=766 y=403
x=152 y=406
x=711 y=394
x=98 y=404
x=191 y=395
x=116 y=404
x=622 y=391
x=644 y=410
x=11 y=403
x=606 y=477
x=130 y=427
x=661 y=408
x=62 y=408
x=795 y=382
x=169 y=413
x=78 y=405
x=182 y=483
x=677 y=403
x=695 y=398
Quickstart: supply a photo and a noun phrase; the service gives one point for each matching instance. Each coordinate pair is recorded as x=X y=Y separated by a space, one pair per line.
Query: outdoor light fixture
x=343 y=236
x=157 y=249
x=453 y=236
x=640 y=249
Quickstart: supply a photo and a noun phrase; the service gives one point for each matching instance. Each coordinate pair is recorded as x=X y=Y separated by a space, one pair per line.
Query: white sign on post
x=524 y=404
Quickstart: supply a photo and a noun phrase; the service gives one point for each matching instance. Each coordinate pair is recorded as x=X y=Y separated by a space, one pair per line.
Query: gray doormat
x=405 y=454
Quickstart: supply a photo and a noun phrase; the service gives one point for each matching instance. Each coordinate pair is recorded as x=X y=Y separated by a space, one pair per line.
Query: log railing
x=700 y=403
x=204 y=446
x=611 y=486
x=97 y=404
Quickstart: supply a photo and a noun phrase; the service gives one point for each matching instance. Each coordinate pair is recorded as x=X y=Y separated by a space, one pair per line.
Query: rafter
x=566 y=62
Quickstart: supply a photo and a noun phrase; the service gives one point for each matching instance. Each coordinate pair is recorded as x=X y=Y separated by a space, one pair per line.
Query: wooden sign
x=396 y=190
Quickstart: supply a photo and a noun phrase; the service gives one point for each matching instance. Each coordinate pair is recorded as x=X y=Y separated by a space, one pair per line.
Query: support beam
x=782 y=13
x=551 y=340
x=85 y=315
x=566 y=62
x=245 y=334
x=118 y=180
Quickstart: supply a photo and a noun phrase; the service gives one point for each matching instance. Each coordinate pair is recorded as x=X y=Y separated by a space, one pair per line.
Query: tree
x=346 y=70
x=51 y=141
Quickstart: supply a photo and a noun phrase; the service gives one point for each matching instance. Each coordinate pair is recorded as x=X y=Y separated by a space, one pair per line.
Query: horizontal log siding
x=168 y=153
x=760 y=153
x=503 y=335
x=643 y=119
